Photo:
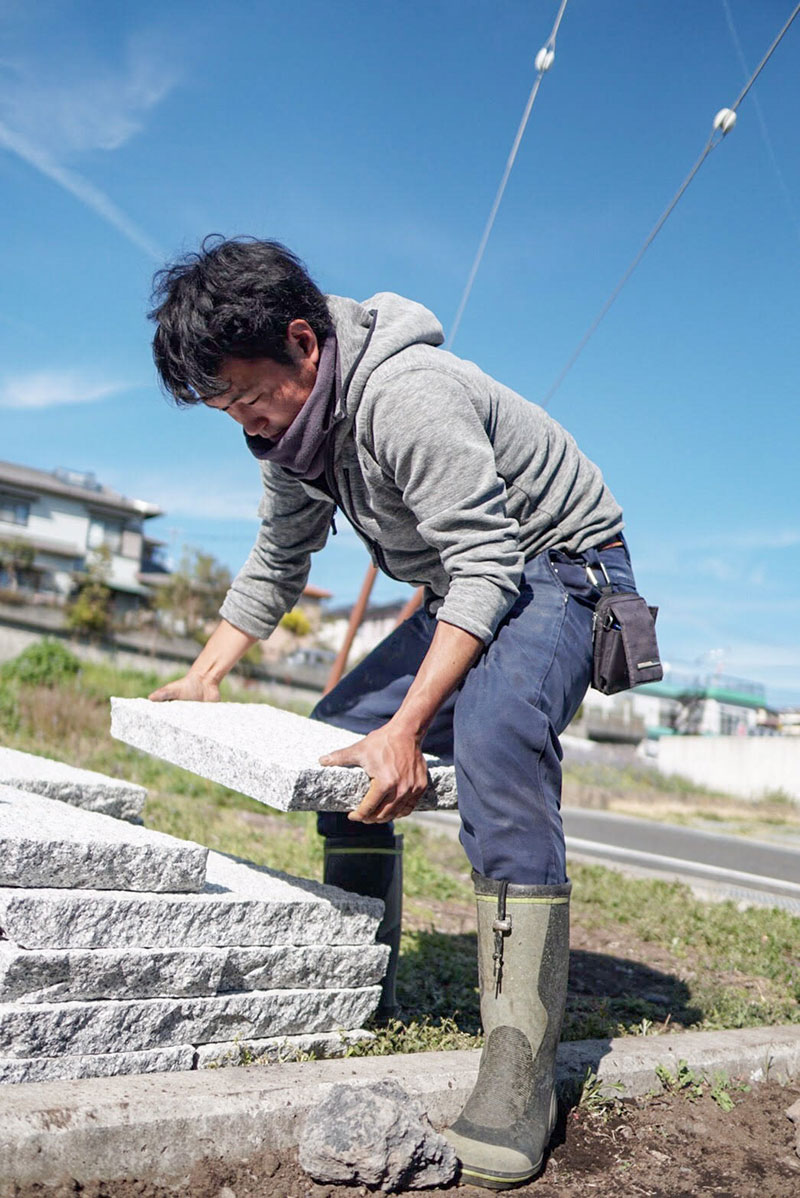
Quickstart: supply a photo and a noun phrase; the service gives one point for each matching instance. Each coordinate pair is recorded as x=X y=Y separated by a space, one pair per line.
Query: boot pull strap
x=501 y=927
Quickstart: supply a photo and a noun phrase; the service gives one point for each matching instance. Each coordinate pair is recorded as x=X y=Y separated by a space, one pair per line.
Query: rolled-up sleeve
x=431 y=440
x=293 y=525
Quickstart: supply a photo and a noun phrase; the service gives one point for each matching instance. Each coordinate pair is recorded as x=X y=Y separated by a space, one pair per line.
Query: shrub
x=45 y=663
x=297 y=622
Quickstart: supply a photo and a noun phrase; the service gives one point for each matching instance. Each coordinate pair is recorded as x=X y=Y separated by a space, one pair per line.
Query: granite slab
x=69 y=784
x=263 y=752
x=241 y=904
x=44 y=842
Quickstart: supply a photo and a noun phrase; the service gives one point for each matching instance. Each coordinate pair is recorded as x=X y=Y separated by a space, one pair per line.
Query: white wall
x=747 y=766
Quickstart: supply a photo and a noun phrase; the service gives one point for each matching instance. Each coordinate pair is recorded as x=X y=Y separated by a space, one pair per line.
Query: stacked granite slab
x=261 y=751
x=82 y=788
x=124 y=950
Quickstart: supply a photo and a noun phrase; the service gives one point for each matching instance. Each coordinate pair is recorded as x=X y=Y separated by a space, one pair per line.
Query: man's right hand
x=190 y=687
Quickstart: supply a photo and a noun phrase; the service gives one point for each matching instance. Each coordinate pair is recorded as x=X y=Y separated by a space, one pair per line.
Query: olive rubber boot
x=373 y=866
x=523 y=959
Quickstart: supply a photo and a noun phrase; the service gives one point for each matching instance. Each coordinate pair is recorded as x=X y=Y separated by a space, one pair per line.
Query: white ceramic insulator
x=544 y=59
x=725 y=120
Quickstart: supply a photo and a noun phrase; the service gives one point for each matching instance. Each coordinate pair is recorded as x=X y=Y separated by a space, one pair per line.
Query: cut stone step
x=47 y=843
x=50 y=1029
x=260 y=751
x=64 y=975
x=109 y=1064
x=68 y=784
x=181 y=1058
x=279 y=1048
x=240 y=904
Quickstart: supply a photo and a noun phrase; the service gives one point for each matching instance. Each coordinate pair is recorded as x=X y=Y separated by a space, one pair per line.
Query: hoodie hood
x=371 y=332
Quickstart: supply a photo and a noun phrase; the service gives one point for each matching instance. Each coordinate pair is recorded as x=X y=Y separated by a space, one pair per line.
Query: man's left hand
x=397 y=771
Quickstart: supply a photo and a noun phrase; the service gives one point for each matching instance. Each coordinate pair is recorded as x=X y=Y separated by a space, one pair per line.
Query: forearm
x=223 y=649
x=451 y=654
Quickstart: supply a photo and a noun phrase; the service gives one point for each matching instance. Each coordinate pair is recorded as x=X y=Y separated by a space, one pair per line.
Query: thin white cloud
x=84 y=191
x=51 y=388
x=71 y=106
x=51 y=113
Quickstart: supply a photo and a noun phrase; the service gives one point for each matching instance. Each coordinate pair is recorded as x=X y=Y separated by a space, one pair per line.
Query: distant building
x=789 y=721
x=713 y=706
x=379 y=620
x=61 y=518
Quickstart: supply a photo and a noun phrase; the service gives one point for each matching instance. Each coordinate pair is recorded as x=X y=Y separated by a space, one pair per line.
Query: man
x=456 y=483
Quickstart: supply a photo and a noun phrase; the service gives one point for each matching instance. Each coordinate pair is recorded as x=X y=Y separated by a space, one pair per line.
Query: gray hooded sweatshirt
x=452 y=480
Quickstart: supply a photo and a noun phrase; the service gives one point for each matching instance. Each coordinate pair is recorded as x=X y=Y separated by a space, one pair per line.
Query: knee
x=488 y=733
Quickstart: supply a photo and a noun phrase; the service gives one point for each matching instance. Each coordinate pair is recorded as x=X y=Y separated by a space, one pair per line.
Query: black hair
x=235 y=298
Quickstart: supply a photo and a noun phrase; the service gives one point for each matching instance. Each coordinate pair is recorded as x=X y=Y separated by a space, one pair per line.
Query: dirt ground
x=665 y=1147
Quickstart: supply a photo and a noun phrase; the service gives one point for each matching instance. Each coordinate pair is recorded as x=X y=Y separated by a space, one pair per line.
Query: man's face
x=264 y=396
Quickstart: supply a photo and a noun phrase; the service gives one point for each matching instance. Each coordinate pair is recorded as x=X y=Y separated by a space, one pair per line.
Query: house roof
x=28 y=482
x=312 y=592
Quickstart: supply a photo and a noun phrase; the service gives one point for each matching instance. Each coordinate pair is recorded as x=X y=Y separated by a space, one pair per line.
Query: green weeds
x=693 y=1085
x=594 y=1097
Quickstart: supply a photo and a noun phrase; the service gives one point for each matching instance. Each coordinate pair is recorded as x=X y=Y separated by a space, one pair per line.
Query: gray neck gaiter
x=301 y=449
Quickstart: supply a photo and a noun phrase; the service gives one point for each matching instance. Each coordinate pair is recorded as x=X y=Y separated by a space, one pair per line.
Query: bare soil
x=663 y=1147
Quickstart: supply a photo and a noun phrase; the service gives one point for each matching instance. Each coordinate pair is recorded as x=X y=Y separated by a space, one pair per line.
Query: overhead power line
x=784 y=188
x=724 y=121
x=543 y=62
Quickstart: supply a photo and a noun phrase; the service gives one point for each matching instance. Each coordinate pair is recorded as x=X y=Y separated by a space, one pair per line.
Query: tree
x=16 y=555
x=193 y=593
x=89 y=611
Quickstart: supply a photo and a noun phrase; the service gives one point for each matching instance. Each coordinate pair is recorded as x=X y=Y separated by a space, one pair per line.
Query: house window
x=105 y=532
x=13 y=510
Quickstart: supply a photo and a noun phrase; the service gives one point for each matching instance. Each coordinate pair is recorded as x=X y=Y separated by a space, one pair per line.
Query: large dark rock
x=377 y=1136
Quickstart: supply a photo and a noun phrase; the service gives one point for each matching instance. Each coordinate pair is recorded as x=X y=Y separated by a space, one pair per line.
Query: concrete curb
x=160 y=1125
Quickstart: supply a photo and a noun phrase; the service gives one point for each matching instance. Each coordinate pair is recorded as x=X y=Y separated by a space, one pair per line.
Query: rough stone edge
x=279 y=1049
x=89 y=1130
x=16 y=1071
x=138 y=860
x=125 y=804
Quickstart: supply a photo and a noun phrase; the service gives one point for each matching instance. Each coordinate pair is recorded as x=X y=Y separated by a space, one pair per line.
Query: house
x=51 y=523
x=678 y=705
x=379 y=620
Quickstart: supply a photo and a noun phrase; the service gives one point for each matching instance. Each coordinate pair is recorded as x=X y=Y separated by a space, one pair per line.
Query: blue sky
x=371 y=137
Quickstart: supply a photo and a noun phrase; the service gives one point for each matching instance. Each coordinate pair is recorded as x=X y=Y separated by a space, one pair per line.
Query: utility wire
x=544 y=60
x=787 y=196
x=721 y=127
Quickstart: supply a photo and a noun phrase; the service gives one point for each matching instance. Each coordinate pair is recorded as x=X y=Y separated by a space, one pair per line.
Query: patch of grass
x=762 y=941
x=434 y=867
x=416 y=1035
x=634 y=778
x=239 y=826
x=777 y=798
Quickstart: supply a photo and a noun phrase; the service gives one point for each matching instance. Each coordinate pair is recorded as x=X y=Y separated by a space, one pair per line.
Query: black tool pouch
x=625 y=646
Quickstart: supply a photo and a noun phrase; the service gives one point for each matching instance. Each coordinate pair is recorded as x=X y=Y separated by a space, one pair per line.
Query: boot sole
x=499 y=1181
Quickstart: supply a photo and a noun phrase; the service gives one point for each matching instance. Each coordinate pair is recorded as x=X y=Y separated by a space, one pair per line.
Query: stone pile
x=123 y=950
x=261 y=751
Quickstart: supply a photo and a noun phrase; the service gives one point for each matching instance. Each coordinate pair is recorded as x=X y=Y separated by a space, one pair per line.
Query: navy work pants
x=501 y=727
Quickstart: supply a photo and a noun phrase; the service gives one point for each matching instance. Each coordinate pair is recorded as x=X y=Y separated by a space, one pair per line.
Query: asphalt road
x=713 y=864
